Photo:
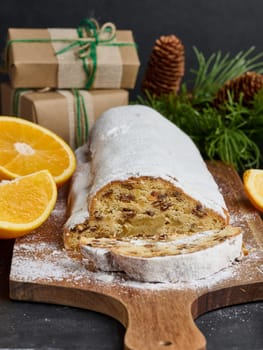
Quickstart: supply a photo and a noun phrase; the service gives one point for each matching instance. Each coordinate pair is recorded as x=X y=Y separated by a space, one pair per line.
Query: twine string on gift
x=17 y=95
x=90 y=35
x=81 y=115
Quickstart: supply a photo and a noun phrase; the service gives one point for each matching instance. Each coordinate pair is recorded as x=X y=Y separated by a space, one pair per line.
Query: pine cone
x=248 y=83
x=165 y=67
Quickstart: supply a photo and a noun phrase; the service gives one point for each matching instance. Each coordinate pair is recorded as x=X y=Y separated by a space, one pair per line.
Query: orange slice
x=25 y=203
x=26 y=147
x=253 y=184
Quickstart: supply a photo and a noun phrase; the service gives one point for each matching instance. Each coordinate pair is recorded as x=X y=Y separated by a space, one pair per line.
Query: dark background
x=226 y=25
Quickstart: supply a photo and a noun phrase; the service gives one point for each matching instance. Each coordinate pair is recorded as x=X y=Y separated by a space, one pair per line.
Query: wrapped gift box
x=33 y=60
x=69 y=113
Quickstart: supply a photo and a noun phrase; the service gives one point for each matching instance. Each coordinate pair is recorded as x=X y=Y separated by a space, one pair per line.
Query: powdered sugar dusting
x=44 y=261
x=235 y=218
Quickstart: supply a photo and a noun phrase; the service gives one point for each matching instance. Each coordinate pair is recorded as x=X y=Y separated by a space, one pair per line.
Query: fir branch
x=212 y=73
x=255 y=120
x=231 y=132
x=226 y=134
x=234 y=147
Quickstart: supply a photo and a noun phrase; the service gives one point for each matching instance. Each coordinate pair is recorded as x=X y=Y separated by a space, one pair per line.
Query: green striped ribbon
x=15 y=102
x=81 y=121
x=90 y=36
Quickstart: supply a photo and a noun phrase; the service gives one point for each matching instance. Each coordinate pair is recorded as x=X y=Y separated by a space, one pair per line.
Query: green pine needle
x=228 y=134
x=212 y=73
x=231 y=133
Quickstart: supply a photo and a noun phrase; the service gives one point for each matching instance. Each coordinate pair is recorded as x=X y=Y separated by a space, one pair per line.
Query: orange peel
x=253 y=185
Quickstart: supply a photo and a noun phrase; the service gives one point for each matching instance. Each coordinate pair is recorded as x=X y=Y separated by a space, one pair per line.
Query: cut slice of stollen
x=182 y=259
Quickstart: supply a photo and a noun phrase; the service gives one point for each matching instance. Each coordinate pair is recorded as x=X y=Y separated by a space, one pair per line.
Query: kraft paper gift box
x=32 y=59
x=68 y=113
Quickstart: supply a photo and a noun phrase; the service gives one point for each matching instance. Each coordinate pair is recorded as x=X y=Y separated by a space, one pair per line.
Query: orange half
x=25 y=203
x=253 y=185
x=26 y=147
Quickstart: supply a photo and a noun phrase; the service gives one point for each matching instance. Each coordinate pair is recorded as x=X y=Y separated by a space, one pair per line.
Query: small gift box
x=86 y=57
x=68 y=113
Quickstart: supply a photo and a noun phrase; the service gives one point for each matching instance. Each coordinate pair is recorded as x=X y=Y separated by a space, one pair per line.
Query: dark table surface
x=25 y=325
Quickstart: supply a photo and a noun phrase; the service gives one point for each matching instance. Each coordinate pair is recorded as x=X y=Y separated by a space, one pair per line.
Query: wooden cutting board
x=157 y=316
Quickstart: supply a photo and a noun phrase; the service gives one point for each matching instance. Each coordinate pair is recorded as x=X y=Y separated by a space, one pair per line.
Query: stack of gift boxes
x=63 y=79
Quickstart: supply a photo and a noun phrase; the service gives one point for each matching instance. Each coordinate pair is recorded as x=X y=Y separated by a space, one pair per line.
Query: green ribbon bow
x=91 y=36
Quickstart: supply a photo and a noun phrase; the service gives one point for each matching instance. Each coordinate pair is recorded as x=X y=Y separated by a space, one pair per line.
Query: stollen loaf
x=141 y=182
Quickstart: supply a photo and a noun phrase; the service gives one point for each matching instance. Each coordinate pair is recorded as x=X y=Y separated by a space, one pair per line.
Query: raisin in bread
x=139 y=176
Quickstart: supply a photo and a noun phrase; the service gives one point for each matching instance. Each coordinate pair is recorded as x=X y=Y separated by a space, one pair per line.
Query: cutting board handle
x=162 y=321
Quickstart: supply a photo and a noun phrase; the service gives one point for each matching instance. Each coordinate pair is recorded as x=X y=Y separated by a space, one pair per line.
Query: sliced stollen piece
x=183 y=259
x=141 y=176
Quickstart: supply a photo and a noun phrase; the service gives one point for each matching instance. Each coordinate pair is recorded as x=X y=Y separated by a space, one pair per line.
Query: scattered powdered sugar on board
x=41 y=258
x=47 y=262
x=237 y=219
x=43 y=261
